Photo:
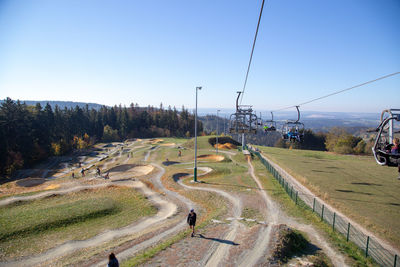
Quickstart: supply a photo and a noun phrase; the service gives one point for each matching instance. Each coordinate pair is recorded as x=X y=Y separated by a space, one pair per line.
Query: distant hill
x=60 y=104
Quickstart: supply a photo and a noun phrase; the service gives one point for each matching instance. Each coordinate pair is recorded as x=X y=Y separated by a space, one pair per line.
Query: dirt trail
x=219 y=251
x=260 y=248
x=165 y=210
x=278 y=217
x=123 y=255
x=11 y=200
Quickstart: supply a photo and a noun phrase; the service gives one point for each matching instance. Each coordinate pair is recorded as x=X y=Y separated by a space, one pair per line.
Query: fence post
x=333 y=224
x=366 y=248
x=395 y=260
x=313 y=205
x=322 y=212
x=291 y=191
x=297 y=192
x=348 y=232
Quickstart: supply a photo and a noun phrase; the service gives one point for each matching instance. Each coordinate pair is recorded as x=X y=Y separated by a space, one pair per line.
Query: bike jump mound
x=168 y=144
x=212 y=157
x=226 y=146
x=136 y=170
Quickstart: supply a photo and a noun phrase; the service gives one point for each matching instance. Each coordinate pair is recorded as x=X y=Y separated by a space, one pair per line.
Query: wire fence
x=306 y=199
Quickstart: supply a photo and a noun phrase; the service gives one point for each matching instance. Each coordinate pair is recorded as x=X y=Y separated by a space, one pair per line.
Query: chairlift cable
x=341 y=91
x=252 y=51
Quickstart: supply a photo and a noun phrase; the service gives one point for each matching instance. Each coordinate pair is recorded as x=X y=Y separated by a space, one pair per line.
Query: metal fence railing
x=305 y=198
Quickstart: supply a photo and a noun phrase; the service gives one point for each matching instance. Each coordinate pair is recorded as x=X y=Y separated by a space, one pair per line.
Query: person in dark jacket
x=112 y=261
x=191 y=220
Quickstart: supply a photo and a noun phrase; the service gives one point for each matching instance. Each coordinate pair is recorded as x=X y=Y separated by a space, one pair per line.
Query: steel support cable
x=252 y=51
x=340 y=91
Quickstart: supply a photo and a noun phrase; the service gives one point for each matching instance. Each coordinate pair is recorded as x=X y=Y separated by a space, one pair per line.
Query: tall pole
x=225 y=125
x=195 y=139
x=217 y=130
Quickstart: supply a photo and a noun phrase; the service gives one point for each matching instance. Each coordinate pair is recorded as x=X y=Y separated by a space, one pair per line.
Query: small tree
x=109 y=134
x=360 y=147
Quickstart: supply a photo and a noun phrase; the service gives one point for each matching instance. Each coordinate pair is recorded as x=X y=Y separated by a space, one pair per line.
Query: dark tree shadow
x=364 y=183
x=354 y=192
x=179 y=175
x=167 y=163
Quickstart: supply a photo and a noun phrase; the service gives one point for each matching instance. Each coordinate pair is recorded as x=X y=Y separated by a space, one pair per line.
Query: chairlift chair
x=386 y=132
x=293 y=130
x=270 y=125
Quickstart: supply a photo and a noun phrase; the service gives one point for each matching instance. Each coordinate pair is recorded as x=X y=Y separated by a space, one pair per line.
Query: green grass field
x=356 y=185
x=41 y=224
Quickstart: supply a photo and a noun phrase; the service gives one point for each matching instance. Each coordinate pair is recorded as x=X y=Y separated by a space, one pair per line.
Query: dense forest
x=29 y=134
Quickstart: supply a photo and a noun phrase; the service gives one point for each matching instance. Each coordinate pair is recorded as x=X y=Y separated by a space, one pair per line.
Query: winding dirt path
x=166 y=209
x=219 y=250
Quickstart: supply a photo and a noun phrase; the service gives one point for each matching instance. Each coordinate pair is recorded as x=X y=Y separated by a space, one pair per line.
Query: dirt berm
x=224 y=141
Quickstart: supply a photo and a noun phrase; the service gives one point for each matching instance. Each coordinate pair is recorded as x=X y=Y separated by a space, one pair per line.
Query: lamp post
x=195 y=139
x=217 y=131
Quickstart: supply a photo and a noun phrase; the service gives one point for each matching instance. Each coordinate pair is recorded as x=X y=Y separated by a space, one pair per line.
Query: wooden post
x=322 y=212
x=313 y=206
x=348 y=232
x=333 y=224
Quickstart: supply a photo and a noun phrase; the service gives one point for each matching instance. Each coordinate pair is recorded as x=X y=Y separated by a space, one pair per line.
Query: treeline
x=337 y=140
x=29 y=134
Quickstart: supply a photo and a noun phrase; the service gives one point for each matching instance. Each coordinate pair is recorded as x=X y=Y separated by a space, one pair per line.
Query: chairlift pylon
x=384 y=140
x=293 y=130
x=243 y=120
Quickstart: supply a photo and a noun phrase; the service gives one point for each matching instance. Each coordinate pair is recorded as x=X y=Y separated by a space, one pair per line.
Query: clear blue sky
x=147 y=52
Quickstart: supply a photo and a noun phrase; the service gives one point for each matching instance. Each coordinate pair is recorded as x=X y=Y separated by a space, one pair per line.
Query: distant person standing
x=98 y=172
x=112 y=261
x=191 y=220
x=83 y=172
x=73 y=175
x=179 y=153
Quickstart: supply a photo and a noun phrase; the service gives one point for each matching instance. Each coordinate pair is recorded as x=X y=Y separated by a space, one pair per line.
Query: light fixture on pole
x=217 y=131
x=195 y=139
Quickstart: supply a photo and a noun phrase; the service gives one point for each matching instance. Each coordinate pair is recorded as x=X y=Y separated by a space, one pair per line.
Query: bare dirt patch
x=155 y=141
x=52 y=186
x=168 y=144
x=212 y=157
x=226 y=146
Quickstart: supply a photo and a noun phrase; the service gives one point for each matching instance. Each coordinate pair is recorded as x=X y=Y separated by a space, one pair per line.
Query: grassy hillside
x=356 y=185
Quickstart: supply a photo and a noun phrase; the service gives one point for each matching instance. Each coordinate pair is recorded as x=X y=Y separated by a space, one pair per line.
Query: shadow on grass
x=224 y=241
x=367 y=201
x=179 y=175
x=354 y=192
x=122 y=168
x=321 y=171
x=365 y=183
x=167 y=163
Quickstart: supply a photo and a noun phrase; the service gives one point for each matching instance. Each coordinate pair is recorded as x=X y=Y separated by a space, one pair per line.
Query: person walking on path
x=191 y=220
x=112 y=261
x=83 y=172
